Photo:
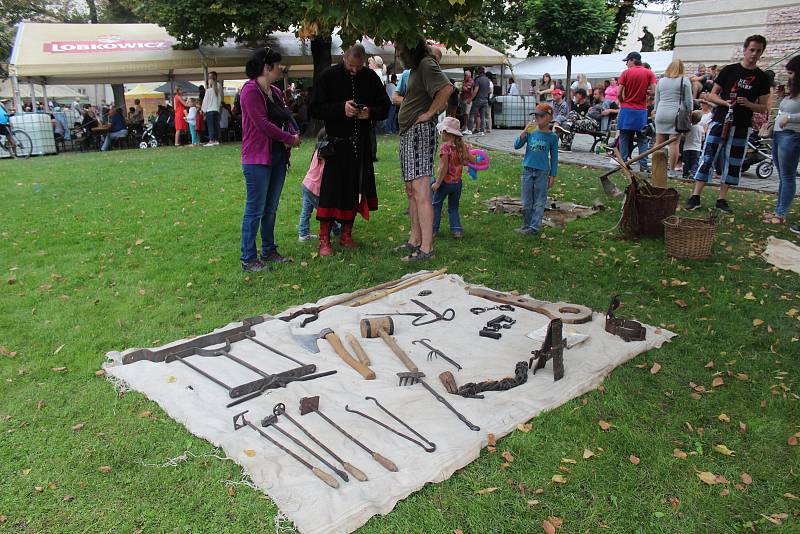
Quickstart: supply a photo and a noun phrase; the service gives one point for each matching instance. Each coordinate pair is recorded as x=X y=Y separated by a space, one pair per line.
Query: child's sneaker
x=307 y=237
x=722 y=205
x=525 y=230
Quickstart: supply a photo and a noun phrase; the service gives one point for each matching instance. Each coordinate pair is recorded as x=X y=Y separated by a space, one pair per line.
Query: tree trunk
x=92 y=11
x=624 y=11
x=568 y=83
x=321 y=56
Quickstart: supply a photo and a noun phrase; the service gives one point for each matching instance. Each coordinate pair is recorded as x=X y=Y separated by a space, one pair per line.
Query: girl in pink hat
x=453 y=155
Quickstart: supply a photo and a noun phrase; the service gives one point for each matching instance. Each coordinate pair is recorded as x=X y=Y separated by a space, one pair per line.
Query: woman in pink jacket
x=267 y=133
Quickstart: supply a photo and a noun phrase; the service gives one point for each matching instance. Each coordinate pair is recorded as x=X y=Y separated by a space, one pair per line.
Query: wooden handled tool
x=331 y=337
x=378 y=327
x=327 y=478
x=402 y=285
x=568 y=313
x=357 y=348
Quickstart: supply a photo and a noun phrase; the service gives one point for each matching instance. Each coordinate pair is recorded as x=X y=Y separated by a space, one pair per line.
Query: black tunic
x=348 y=180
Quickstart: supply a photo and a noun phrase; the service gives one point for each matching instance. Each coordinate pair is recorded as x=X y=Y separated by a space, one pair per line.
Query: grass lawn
x=136 y=248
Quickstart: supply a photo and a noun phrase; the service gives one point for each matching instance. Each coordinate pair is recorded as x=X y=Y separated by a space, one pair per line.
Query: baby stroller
x=148 y=138
x=759 y=153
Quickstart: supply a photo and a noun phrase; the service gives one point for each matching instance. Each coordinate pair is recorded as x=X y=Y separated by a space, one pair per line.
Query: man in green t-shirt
x=426 y=96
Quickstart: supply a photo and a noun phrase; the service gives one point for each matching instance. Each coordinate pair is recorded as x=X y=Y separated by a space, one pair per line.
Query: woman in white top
x=580 y=83
x=670 y=90
x=786 y=146
x=210 y=108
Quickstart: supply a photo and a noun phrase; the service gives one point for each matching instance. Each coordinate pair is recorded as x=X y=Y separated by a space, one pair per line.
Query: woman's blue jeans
x=534 y=196
x=451 y=192
x=264 y=184
x=785 y=156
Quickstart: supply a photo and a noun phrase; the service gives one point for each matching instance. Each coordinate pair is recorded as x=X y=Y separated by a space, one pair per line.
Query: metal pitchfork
x=434 y=352
x=409 y=379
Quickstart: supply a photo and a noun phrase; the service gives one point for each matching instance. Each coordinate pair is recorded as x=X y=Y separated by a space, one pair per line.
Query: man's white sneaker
x=307 y=237
x=467 y=132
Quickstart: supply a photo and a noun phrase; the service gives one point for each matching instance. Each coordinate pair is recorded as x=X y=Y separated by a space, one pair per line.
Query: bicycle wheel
x=24 y=144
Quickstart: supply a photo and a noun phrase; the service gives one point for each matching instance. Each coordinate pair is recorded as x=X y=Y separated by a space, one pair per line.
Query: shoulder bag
x=683 y=121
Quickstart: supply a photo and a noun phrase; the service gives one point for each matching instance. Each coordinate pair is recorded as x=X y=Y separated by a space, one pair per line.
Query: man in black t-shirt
x=739 y=91
x=578 y=120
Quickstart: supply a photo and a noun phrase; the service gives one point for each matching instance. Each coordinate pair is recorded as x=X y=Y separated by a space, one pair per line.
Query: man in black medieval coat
x=348 y=97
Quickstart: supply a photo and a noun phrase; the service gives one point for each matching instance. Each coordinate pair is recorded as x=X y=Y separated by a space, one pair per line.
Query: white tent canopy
x=131 y=53
x=594 y=67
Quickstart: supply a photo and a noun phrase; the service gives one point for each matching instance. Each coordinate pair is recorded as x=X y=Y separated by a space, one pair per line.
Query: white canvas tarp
x=316 y=508
x=130 y=53
x=594 y=67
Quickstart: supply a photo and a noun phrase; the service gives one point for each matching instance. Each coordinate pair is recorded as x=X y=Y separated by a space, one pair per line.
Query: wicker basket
x=689 y=238
x=646 y=206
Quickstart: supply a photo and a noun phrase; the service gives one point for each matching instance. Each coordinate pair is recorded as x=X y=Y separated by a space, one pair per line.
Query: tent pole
x=502 y=76
x=44 y=96
x=17 y=96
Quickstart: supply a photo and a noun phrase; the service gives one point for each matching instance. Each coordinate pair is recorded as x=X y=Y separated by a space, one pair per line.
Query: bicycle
x=23 y=146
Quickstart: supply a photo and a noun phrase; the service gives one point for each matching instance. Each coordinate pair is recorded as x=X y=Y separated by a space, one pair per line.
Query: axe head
x=308 y=341
x=309 y=404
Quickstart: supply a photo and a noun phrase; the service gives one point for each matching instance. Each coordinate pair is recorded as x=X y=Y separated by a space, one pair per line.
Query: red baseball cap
x=557 y=92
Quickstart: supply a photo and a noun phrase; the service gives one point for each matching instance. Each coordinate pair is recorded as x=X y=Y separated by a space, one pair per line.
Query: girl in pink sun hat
x=453 y=155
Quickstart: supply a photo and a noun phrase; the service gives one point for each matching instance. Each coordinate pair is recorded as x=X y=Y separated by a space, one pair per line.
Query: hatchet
x=309 y=342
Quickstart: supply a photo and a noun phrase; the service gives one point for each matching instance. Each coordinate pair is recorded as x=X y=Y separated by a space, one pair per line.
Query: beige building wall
x=713 y=31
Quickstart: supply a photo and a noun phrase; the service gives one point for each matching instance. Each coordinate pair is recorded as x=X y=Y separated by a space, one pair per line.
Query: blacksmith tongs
x=447 y=315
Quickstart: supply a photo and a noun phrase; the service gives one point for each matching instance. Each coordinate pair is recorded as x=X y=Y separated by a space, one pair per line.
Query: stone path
x=504 y=140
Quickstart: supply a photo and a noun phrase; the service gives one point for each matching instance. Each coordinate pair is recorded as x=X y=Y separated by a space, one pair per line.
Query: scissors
x=502 y=307
x=447 y=315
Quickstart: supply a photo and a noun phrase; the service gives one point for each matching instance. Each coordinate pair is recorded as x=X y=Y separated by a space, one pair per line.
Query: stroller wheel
x=143 y=145
x=764 y=169
x=153 y=143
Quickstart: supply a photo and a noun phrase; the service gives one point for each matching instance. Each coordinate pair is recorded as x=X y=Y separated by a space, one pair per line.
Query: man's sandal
x=771 y=218
x=406 y=247
x=418 y=255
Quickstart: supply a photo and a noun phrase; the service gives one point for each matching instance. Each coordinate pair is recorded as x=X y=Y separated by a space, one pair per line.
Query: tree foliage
x=666 y=41
x=495 y=25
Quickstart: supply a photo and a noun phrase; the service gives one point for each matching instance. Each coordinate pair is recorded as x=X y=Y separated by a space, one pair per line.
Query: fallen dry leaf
x=757 y=322
x=722 y=449
x=504 y=466
x=491 y=449
x=458 y=531
x=68 y=498
x=791 y=496
x=484 y=491
x=59 y=369
x=587 y=454
x=559 y=479
x=681 y=303
x=656 y=368
x=725 y=492
x=100 y=372
x=492 y=440
x=675 y=502
x=742 y=427
x=104 y=468
x=707 y=477
x=171 y=379
x=677 y=453
x=568 y=461
x=749 y=296
x=746 y=478
x=508 y=456
x=231 y=491
x=709 y=365
x=792 y=441
x=79 y=426
x=717 y=382
x=548 y=527
x=635 y=460
x=605 y=425
x=532 y=503
x=39 y=488
x=146 y=413
x=724 y=418
x=249 y=453
x=524 y=427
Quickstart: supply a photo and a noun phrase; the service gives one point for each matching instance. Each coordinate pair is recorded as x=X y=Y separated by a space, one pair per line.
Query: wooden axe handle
x=400 y=353
x=336 y=343
x=568 y=313
x=643 y=155
x=357 y=348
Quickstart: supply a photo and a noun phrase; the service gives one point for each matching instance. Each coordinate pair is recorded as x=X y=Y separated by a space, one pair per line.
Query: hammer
x=309 y=342
x=382 y=327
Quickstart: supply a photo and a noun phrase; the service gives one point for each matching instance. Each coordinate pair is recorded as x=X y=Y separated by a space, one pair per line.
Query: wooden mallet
x=383 y=327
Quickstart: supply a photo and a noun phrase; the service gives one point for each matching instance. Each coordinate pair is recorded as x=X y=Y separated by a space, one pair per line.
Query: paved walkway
x=504 y=140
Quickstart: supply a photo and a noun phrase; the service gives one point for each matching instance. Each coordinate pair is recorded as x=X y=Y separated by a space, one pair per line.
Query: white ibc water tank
x=40 y=128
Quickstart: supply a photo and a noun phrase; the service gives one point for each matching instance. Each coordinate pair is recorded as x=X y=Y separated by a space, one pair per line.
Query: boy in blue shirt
x=539 y=167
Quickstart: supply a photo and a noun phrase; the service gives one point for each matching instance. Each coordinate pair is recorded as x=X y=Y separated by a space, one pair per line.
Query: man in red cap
x=635 y=84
